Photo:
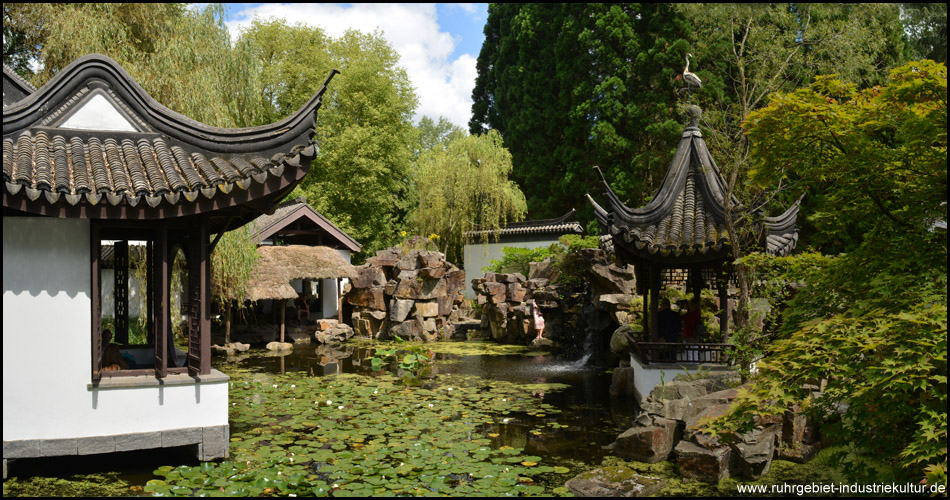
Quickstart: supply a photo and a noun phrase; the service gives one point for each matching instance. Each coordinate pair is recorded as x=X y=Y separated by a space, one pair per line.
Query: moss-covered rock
x=614 y=481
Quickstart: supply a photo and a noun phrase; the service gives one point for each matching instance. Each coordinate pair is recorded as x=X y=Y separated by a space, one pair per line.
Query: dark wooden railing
x=682 y=353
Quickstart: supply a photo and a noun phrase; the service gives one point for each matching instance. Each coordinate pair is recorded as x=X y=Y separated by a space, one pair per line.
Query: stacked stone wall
x=601 y=300
x=414 y=294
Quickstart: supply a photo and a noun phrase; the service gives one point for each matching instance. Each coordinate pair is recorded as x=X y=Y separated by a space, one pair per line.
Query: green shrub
x=516 y=259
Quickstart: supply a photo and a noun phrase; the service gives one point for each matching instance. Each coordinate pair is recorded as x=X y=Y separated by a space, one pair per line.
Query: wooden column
x=150 y=257
x=283 y=317
x=643 y=288
x=160 y=287
x=95 y=255
x=196 y=240
x=204 y=266
x=654 y=304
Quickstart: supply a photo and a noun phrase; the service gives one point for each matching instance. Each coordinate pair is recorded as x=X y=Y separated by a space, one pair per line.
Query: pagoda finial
x=694 y=113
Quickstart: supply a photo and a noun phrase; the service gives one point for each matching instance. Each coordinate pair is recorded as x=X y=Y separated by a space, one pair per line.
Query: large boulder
x=620 y=344
x=752 y=454
x=707 y=465
x=678 y=389
x=279 y=346
x=701 y=404
x=614 y=481
x=543 y=270
x=370 y=298
x=650 y=444
x=621 y=383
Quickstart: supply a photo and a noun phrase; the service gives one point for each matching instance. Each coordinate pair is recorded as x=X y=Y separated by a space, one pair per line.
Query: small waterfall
x=597 y=327
x=582 y=362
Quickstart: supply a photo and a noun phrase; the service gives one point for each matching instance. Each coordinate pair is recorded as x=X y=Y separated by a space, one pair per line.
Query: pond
x=364 y=419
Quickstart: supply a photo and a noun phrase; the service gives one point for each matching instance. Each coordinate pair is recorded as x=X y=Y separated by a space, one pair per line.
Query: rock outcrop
x=504 y=309
x=601 y=291
x=414 y=294
x=331 y=331
x=668 y=428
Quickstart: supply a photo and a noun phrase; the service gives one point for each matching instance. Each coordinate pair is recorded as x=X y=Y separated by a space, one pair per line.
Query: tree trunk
x=227 y=323
x=741 y=276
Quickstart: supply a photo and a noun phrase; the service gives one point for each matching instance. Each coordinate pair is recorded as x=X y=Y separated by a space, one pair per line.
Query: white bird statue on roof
x=691 y=78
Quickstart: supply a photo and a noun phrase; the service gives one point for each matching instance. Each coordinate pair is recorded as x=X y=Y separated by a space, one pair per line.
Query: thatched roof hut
x=279 y=265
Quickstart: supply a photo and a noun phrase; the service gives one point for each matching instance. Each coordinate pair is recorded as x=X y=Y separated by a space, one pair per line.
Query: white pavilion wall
x=47 y=352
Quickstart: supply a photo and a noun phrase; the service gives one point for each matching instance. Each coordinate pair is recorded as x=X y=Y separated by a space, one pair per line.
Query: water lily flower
x=293 y=386
x=431 y=405
x=275 y=386
x=329 y=402
x=505 y=421
x=503 y=400
x=336 y=485
x=339 y=407
x=450 y=388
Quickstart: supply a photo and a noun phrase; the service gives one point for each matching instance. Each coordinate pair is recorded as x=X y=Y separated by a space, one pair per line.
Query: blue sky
x=438 y=43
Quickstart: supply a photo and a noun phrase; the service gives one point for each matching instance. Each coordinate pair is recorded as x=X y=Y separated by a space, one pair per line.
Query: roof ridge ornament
x=694 y=113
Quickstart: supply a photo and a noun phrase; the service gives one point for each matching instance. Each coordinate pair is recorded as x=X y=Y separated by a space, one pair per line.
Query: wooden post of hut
x=283 y=317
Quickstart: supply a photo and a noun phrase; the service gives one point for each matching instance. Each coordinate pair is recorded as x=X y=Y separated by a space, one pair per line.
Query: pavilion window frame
x=161 y=242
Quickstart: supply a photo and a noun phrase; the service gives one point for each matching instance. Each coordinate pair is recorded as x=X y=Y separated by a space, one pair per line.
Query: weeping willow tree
x=233 y=263
x=465 y=186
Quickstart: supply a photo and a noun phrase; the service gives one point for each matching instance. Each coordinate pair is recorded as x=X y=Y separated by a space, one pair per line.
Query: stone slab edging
x=151 y=381
x=212 y=443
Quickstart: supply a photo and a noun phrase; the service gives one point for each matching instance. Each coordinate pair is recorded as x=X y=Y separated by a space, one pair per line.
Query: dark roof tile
x=169 y=154
x=686 y=216
x=559 y=225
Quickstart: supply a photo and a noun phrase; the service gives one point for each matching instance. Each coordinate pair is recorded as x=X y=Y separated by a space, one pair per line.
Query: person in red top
x=691 y=318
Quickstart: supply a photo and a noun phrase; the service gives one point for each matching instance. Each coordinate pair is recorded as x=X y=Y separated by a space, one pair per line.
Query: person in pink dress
x=536 y=319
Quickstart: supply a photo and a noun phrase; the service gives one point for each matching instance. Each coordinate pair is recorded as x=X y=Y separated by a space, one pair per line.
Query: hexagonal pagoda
x=684 y=227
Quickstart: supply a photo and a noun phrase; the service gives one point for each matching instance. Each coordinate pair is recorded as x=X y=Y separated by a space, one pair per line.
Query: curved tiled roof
x=15 y=87
x=130 y=170
x=161 y=162
x=686 y=219
x=560 y=225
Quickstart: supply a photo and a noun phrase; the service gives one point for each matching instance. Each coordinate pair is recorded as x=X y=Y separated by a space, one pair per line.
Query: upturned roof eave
x=265 y=139
x=691 y=147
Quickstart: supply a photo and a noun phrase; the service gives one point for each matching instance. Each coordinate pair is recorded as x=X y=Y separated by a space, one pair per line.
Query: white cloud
x=469 y=8
x=443 y=86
